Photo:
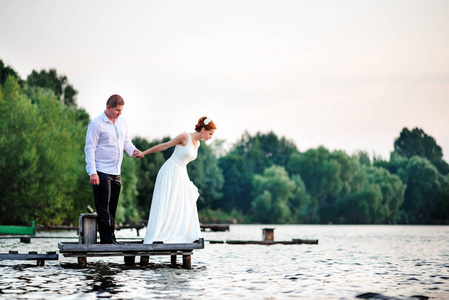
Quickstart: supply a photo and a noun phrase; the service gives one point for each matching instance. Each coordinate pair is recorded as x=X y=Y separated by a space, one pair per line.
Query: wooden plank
x=30 y=256
x=75 y=247
x=101 y=254
x=292 y=242
x=300 y=241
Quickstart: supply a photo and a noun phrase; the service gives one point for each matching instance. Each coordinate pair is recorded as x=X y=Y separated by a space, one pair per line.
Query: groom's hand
x=137 y=153
x=94 y=179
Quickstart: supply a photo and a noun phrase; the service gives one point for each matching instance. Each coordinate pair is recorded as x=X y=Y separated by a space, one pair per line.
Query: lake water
x=350 y=262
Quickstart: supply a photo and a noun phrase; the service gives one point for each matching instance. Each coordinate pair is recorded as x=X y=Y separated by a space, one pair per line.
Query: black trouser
x=106 y=198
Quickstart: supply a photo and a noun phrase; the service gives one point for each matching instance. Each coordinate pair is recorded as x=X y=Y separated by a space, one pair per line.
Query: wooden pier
x=130 y=250
x=32 y=255
x=87 y=246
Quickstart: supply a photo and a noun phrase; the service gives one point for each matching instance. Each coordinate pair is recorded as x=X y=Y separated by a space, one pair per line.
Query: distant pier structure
x=267 y=239
x=214 y=227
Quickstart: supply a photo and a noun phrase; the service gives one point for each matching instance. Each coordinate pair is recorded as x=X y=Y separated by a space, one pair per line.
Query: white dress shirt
x=105 y=142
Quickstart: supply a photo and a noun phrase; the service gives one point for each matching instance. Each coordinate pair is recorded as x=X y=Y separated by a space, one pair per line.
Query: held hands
x=137 y=153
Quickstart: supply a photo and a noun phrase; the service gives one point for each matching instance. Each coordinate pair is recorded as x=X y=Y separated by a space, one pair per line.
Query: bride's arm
x=180 y=139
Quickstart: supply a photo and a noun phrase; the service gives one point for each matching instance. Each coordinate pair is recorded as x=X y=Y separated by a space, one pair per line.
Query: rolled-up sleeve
x=92 y=137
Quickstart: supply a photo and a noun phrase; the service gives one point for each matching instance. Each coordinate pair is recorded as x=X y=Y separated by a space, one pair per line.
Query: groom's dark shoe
x=107 y=242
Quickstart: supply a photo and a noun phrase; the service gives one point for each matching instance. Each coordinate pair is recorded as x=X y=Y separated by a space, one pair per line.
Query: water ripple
x=350 y=262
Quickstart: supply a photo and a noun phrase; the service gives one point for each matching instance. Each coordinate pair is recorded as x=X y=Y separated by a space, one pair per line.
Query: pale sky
x=348 y=75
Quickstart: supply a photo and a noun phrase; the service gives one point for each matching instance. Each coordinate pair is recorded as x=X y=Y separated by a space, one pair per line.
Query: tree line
x=263 y=178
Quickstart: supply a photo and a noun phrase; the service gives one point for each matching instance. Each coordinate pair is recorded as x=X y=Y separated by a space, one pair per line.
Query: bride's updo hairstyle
x=206 y=123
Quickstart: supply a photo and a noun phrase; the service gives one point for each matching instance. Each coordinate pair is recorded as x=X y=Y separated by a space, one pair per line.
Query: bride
x=173 y=215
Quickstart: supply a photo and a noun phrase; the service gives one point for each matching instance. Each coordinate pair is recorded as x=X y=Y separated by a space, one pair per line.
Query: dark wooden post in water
x=144 y=260
x=87 y=234
x=173 y=259
x=186 y=261
x=40 y=262
x=268 y=234
x=130 y=260
x=25 y=239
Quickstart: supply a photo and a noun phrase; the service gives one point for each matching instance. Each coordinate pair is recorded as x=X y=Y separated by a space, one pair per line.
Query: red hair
x=210 y=125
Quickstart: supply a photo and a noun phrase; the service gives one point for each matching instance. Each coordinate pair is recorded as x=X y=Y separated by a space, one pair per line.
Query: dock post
x=186 y=261
x=82 y=262
x=268 y=234
x=144 y=261
x=88 y=229
x=87 y=234
x=173 y=260
x=25 y=239
x=130 y=260
x=40 y=262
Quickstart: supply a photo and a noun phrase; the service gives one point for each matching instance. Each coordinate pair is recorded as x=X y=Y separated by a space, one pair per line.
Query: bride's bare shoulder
x=182 y=139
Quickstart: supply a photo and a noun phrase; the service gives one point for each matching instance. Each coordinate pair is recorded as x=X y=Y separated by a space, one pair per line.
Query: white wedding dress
x=174 y=216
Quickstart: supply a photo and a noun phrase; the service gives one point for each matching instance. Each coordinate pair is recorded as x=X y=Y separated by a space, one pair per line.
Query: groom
x=106 y=138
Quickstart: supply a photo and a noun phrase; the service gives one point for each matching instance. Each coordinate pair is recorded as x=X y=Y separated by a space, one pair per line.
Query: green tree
x=441 y=212
x=392 y=194
x=6 y=72
x=301 y=204
x=57 y=83
x=40 y=149
x=273 y=190
x=425 y=197
x=364 y=158
x=18 y=154
x=237 y=187
x=417 y=142
x=82 y=116
x=361 y=206
x=422 y=190
x=327 y=177
x=264 y=150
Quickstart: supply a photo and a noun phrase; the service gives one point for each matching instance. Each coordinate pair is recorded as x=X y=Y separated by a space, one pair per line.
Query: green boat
x=19 y=230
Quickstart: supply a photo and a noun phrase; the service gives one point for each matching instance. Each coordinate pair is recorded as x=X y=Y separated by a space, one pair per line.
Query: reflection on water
x=350 y=262
x=101 y=279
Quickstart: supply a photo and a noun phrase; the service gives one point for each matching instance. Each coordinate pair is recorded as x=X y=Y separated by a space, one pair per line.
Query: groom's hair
x=115 y=100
